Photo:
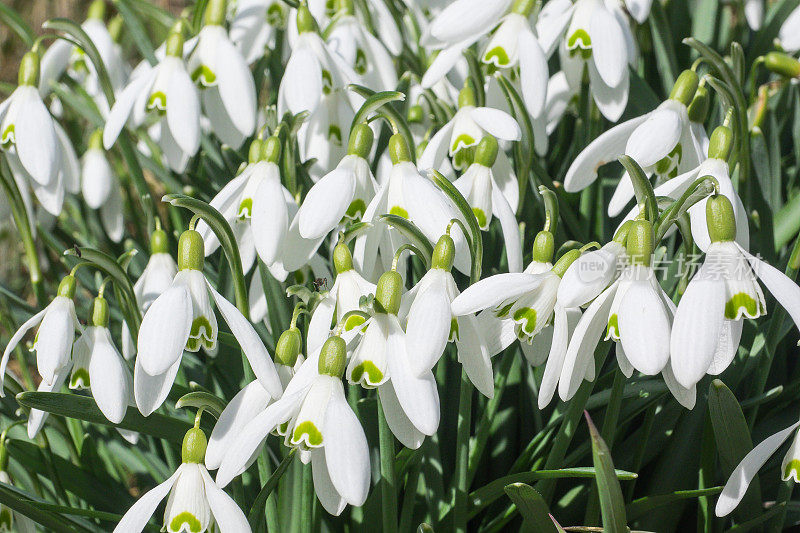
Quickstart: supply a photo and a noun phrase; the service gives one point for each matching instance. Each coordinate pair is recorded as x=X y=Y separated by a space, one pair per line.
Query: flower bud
x=721 y=142
x=388 y=292
x=782 y=64
x=360 y=143
x=565 y=261
x=698 y=109
x=193 y=449
x=191 y=251
x=640 y=242
x=342 y=258
x=543 y=247
x=271 y=150
x=67 y=286
x=720 y=219
x=288 y=348
x=333 y=357
x=99 y=316
x=254 y=153
x=486 y=151
x=685 y=87
x=158 y=242
x=398 y=149
x=416 y=115
x=29 y=69
x=443 y=253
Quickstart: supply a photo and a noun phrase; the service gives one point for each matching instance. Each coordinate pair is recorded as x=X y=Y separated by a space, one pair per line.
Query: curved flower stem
x=461 y=476
x=388 y=476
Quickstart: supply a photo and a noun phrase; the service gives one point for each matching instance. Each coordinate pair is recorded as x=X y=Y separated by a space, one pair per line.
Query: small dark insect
x=320 y=283
x=77 y=250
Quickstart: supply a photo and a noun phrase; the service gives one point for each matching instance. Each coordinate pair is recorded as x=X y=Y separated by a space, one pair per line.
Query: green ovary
x=374 y=375
x=741 y=301
x=185 y=518
x=793 y=466
x=313 y=435
x=399 y=211
x=481 y=216
x=580 y=43
x=497 y=56
x=79 y=379
x=526 y=318
x=204 y=76
x=356 y=209
x=353 y=321
x=200 y=334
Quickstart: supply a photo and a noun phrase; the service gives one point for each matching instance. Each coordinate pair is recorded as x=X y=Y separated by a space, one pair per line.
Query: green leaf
x=612 y=505
x=531 y=506
x=224 y=233
x=137 y=31
x=375 y=102
x=663 y=47
x=49 y=520
x=642 y=506
x=733 y=442
x=257 y=510
x=475 y=240
x=79 y=37
x=701 y=188
x=17 y=24
x=202 y=400
x=412 y=233
x=84 y=408
x=750 y=525
x=397 y=121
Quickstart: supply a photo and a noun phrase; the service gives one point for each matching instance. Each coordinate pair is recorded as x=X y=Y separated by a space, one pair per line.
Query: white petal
x=746 y=470
x=346 y=450
x=555 y=359
x=605 y=149
x=658 y=135
x=251 y=344
x=271 y=219
x=123 y=106
x=610 y=99
x=608 y=46
x=497 y=123
x=183 y=111
x=110 y=379
x=96 y=178
x=644 y=328
x=497 y=334
x=533 y=73
x=428 y=323
x=14 y=341
x=36 y=417
x=436 y=150
x=326 y=493
x=686 y=397
x=474 y=356
x=697 y=326
x=35 y=136
x=510 y=227
x=788 y=34
x=786 y=291
x=418 y=396
x=245 y=406
x=399 y=424
x=326 y=203
x=141 y=511
x=227 y=515
x=727 y=346
x=493 y=291
x=464 y=18
x=301 y=85
x=54 y=339
x=236 y=87
x=151 y=391
x=445 y=62
x=640 y=9
x=164 y=331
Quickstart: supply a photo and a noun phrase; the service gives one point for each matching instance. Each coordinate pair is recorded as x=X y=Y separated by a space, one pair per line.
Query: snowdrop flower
x=708 y=323
x=746 y=470
x=255 y=198
x=343 y=297
x=182 y=318
x=38 y=152
x=166 y=93
x=465 y=130
x=99 y=366
x=636 y=314
x=664 y=141
x=228 y=89
x=195 y=503
x=11 y=520
x=431 y=323
x=363 y=52
x=320 y=422
x=407 y=391
x=343 y=193
x=754 y=13
x=155 y=279
x=253 y=398
x=788 y=34
x=53 y=342
x=64 y=56
x=101 y=188
x=312 y=71
x=593 y=271
x=255 y=25
x=485 y=197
